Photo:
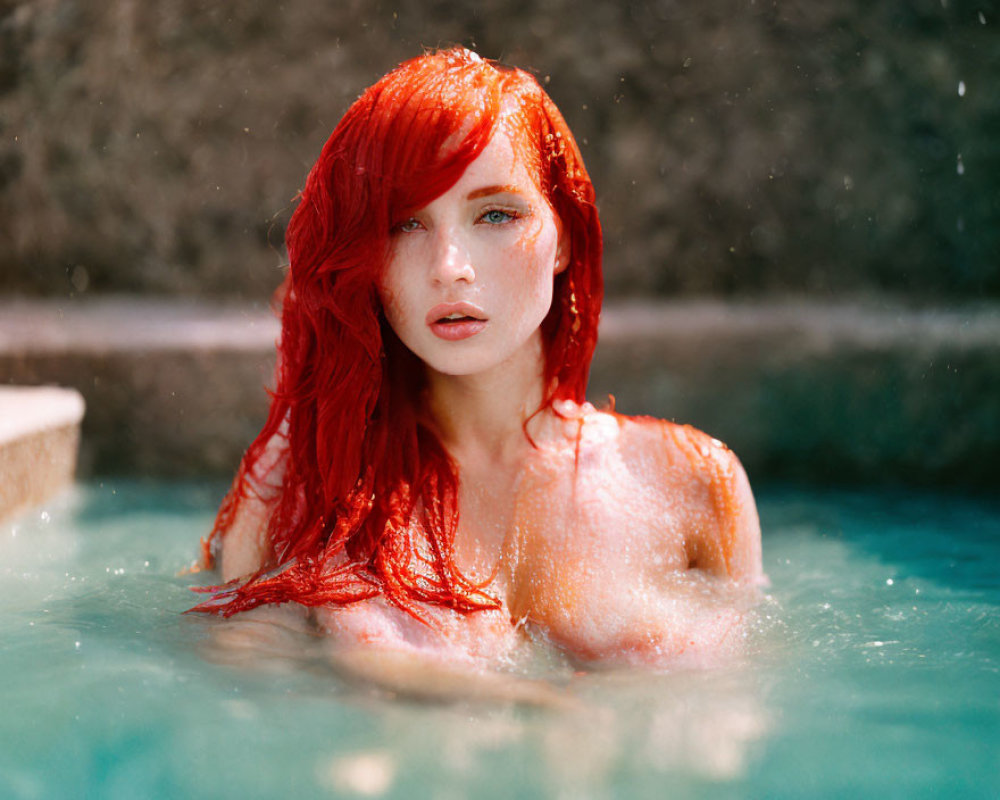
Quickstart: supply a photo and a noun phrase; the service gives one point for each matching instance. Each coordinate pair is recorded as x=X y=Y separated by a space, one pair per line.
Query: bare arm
x=723 y=530
x=242 y=552
x=379 y=645
x=411 y=673
x=362 y=649
x=732 y=547
x=243 y=546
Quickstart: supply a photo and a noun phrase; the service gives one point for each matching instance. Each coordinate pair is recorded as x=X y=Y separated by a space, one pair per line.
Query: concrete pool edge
x=39 y=438
x=851 y=390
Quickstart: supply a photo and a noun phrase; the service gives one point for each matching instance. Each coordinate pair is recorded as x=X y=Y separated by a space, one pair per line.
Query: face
x=470 y=276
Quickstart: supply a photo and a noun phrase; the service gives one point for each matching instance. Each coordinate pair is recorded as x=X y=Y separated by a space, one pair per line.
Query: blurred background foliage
x=738 y=147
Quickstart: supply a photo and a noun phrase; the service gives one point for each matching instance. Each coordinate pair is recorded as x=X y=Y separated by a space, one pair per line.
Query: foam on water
x=875 y=670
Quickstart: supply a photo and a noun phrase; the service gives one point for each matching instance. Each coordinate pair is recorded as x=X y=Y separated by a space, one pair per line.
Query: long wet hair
x=344 y=464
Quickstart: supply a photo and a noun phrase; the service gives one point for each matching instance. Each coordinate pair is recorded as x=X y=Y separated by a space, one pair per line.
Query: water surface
x=875 y=671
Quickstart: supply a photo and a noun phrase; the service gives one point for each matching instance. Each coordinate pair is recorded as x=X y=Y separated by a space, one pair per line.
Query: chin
x=461 y=366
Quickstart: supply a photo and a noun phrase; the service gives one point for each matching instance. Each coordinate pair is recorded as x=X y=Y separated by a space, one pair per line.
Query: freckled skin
x=617 y=539
x=497 y=250
x=639 y=546
x=627 y=549
x=622 y=540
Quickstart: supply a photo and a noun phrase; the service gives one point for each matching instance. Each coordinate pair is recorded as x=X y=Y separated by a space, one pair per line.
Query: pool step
x=39 y=437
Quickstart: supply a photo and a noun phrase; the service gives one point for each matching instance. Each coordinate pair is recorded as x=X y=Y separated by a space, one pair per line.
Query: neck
x=482 y=416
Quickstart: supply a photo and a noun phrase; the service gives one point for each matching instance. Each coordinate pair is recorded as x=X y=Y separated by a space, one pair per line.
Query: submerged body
x=617 y=540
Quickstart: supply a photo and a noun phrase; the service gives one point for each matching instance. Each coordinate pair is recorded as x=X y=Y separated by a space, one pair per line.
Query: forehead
x=503 y=161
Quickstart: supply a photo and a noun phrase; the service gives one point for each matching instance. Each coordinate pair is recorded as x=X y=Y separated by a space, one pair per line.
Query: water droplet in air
x=982 y=18
x=961 y=88
x=45 y=516
x=960 y=166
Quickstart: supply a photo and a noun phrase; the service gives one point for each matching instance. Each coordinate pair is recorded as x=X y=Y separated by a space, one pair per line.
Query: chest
x=594 y=535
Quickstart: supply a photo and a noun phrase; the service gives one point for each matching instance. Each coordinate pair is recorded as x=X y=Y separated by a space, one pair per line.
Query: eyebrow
x=486 y=191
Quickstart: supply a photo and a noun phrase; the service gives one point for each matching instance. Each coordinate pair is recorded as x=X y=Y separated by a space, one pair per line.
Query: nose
x=452 y=261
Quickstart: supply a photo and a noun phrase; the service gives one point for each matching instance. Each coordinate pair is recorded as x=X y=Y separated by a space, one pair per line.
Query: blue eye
x=496 y=216
x=407 y=226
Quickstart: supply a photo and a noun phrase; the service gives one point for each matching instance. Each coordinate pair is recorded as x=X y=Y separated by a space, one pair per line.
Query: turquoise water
x=876 y=672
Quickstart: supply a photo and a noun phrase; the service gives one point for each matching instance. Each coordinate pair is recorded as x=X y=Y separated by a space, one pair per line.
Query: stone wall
x=738 y=146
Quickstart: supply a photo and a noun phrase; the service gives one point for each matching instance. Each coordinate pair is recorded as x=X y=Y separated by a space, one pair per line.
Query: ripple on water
x=876 y=646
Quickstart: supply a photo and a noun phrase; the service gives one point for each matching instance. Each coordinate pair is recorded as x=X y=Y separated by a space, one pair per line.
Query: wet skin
x=470 y=277
x=615 y=539
x=612 y=553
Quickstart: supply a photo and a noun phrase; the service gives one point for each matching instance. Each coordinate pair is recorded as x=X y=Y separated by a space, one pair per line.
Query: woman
x=430 y=479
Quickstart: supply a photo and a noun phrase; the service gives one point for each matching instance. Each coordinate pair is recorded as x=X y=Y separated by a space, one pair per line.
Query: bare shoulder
x=243 y=547
x=661 y=509
x=709 y=486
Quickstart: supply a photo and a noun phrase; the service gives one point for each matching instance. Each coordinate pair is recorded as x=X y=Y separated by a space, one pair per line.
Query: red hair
x=350 y=459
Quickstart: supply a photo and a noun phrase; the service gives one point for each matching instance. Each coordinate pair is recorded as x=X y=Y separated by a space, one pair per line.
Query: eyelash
x=401 y=227
x=509 y=216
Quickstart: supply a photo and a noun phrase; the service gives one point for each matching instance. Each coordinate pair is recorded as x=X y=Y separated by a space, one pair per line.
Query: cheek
x=392 y=298
x=534 y=261
x=528 y=279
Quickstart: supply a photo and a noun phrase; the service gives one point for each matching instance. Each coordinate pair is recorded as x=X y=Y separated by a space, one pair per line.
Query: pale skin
x=603 y=536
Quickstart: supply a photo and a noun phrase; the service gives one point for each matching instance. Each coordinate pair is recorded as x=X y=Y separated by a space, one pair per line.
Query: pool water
x=875 y=671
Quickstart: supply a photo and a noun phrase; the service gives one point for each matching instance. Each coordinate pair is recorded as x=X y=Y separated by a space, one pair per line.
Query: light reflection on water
x=878 y=647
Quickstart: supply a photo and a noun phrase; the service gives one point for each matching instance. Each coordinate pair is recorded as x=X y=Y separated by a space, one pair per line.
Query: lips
x=455 y=321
